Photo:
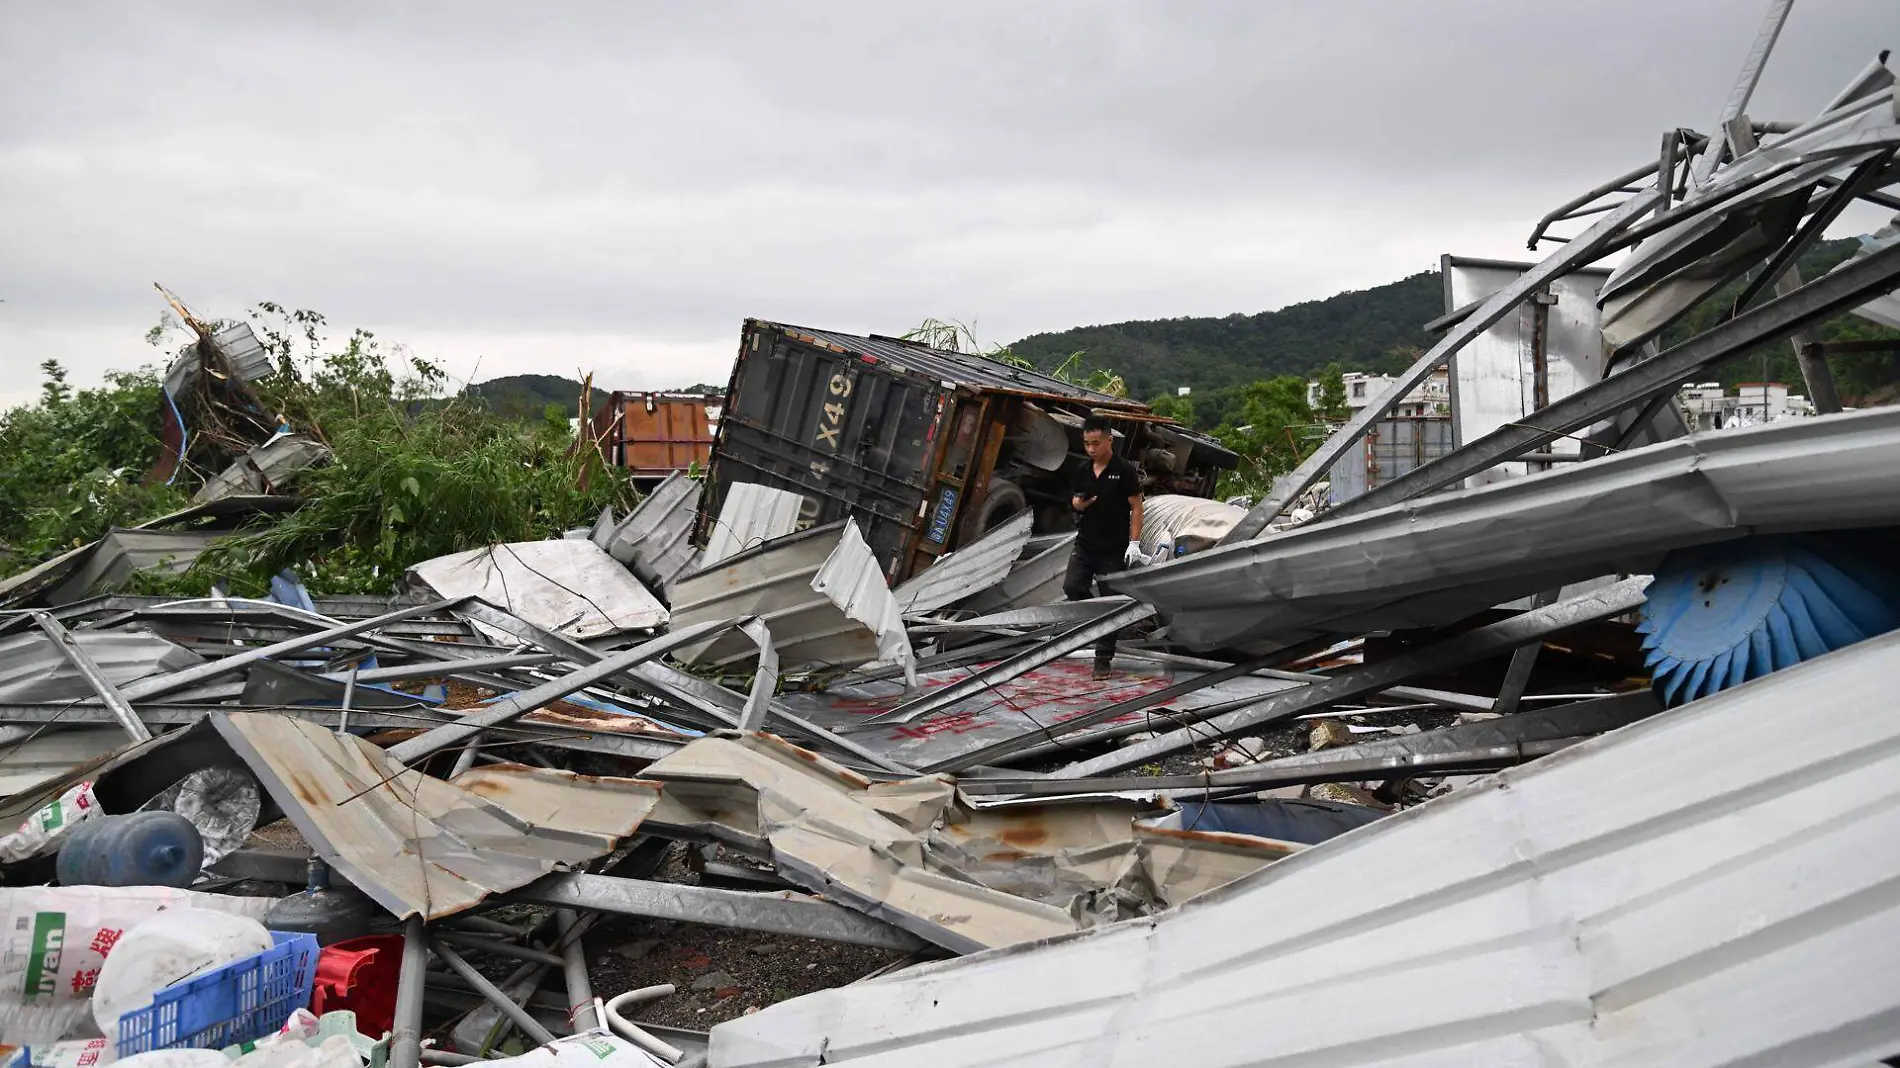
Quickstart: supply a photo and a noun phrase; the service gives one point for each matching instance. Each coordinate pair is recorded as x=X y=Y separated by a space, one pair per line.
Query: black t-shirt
x=1104 y=525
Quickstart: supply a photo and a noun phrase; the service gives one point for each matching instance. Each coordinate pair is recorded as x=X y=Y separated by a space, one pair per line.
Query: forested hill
x=1357 y=330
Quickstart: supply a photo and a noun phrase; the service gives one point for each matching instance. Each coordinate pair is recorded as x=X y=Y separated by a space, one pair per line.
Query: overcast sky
x=614 y=186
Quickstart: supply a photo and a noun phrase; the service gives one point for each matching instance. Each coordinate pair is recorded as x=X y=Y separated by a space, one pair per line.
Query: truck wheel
x=1005 y=499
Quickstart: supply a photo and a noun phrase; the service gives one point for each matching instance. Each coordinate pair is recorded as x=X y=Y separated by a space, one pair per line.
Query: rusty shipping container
x=926 y=448
x=656 y=434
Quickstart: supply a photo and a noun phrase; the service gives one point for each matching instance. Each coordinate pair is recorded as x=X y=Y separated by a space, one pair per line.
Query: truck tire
x=1004 y=499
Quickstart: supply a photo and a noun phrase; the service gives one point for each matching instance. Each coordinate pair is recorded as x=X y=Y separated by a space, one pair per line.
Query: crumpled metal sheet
x=1670 y=271
x=421 y=846
x=569 y=586
x=1036 y=579
x=750 y=516
x=1442 y=557
x=967 y=571
x=32 y=671
x=655 y=538
x=819 y=592
x=264 y=468
x=913 y=854
x=1580 y=910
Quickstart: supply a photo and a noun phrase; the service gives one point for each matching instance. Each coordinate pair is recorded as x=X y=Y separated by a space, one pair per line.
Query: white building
x=1706 y=407
x=1432 y=397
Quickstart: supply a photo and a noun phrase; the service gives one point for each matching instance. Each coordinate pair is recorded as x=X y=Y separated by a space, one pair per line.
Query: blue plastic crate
x=242 y=1001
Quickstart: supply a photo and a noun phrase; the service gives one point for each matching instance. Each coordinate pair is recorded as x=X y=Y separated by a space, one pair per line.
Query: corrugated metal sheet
x=912 y=854
x=418 y=845
x=850 y=579
x=1671 y=270
x=1390 y=448
x=33 y=671
x=1436 y=559
x=969 y=570
x=1493 y=379
x=241 y=349
x=566 y=585
x=1711 y=887
x=750 y=516
x=122 y=552
x=655 y=538
x=777 y=582
x=959 y=368
x=1036 y=579
x=263 y=468
x=43 y=755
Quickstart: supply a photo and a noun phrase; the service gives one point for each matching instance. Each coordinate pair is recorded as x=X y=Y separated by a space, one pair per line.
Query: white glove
x=1134 y=556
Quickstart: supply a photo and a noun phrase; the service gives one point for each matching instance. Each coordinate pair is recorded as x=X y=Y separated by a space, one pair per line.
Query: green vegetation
x=72 y=465
x=412 y=476
x=1359 y=331
x=1862 y=378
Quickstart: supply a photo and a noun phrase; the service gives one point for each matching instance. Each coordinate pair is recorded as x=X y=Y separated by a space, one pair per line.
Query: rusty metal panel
x=655 y=434
x=421 y=846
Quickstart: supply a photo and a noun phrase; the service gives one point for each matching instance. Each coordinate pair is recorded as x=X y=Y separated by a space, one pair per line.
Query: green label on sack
x=600 y=1048
x=52 y=816
x=42 y=967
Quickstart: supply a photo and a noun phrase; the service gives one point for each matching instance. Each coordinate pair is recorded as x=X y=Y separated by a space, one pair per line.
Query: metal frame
x=772 y=913
x=1222 y=721
x=1852 y=284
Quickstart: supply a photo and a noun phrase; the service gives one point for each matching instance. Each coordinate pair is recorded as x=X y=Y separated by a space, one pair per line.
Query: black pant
x=1079 y=585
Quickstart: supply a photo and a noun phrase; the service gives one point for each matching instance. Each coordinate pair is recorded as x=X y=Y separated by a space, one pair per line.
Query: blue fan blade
x=1696 y=674
x=1761 y=651
x=1830 y=622
x=1786 y=651
x=1847 y=592
x=1807 y=638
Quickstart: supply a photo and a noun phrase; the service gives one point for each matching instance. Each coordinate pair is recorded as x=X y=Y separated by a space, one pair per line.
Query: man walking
x=1106 y=494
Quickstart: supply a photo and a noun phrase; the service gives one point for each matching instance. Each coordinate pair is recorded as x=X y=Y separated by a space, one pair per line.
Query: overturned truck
x=926 y=448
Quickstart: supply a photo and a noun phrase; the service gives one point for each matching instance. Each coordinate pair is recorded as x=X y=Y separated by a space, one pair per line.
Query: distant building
x=1432 y=397
x=1706 y=407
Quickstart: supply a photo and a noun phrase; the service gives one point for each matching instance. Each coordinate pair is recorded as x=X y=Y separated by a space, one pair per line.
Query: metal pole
x=580 y=995
x=516 y=705
x=1464 y=648
x=1517 y=677
x=192 y=676
x=1017 y=666
x=1583 y=249
x=674 y=686
x=499 y=948
x=349 y=695
x=1848 y=286
x=1744 y=88
x=802 y=917
x=405 y=1041
x=516 y=1014
x=68 y=647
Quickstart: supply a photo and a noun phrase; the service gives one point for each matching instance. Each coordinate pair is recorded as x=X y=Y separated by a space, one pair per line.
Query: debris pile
x=826 y=707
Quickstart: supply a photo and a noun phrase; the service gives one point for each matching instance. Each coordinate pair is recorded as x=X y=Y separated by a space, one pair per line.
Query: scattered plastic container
x=240 y=1002
x=136 y=849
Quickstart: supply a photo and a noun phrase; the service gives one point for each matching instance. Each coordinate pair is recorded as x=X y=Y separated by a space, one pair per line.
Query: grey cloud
x=654 y=172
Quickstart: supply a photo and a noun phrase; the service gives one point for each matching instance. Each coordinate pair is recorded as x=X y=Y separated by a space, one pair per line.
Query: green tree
x=1180 y=409
x=71 y=465
x=1332 y=394
x=1272 y=428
